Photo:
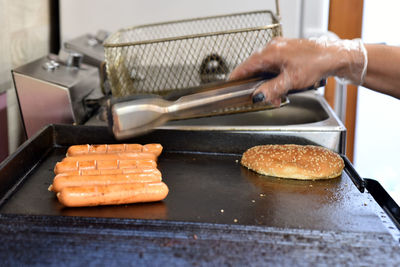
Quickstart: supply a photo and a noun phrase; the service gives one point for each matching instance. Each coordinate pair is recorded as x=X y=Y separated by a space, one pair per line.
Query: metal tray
x=212 y=200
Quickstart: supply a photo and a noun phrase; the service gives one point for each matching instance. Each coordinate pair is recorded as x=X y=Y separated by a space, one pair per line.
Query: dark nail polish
x=258 y=98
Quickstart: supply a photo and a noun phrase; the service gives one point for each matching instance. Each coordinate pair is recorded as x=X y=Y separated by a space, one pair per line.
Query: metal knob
x=101 y=36
x=74 y=60
x=51 y=65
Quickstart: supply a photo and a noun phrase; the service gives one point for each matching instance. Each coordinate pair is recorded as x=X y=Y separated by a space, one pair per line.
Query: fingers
x=276 y=102
x=265 y=60
x=300 y=63
x=249 y=67
x=268 y=59
x=272 y=90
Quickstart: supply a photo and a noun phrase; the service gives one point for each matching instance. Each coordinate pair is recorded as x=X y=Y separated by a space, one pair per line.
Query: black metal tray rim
x=153 y=228
x=26 y=144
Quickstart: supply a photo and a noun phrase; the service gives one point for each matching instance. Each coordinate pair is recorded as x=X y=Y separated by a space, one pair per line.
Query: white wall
x=80 y=17
x=315 y=18
x=377 y=141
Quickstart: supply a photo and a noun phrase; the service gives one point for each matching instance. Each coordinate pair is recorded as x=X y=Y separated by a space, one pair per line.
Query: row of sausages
x=92 y=175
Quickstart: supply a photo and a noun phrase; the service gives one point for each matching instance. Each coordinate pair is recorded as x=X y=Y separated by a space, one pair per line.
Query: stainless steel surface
x=91 y=46
x=49 y=91
x=135 y=117
x=307 y=115
x=42 y=103
x=101 y=36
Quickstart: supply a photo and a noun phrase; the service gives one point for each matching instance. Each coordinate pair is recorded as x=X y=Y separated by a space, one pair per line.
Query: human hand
x=301 y=63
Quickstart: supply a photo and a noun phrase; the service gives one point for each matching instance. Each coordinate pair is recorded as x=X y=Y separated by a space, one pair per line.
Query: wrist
x=345 y=59
x=351 y=60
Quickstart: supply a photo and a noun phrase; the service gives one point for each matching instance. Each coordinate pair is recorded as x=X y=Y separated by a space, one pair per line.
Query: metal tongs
x=129 y=117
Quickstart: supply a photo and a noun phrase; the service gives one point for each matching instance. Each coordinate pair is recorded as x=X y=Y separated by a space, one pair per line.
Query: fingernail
x=258 y=98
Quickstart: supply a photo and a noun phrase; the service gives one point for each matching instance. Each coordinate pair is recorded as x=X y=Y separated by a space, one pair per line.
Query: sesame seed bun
x=293 y=161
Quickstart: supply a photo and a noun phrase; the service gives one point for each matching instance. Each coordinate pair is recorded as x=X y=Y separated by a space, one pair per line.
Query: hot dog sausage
x=120 y=171
x=103 y=165
x=112 y=194
x=111 y=171
x=62 y=181
x=75 y=150
x=149 y=171
x=112 y=156
x=156 y=149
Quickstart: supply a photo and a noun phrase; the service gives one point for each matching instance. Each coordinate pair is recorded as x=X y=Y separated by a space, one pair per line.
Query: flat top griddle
x=215 y=188
x=208 y=189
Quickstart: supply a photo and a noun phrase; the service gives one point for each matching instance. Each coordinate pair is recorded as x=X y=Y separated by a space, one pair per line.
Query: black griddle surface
x=210 y=187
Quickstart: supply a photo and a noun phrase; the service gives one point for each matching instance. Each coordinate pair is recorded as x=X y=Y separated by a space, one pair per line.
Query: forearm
x=302 y=62
x=383 y=71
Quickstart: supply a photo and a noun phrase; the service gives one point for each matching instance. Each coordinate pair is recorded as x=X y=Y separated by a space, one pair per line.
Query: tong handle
x=234 y=94
x=230 y=94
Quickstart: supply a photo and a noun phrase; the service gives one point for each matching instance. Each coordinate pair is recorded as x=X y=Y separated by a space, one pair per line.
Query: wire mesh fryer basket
x=160 y=58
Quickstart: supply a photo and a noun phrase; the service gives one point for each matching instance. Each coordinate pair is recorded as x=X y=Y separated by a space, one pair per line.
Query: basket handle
x=278 y=13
